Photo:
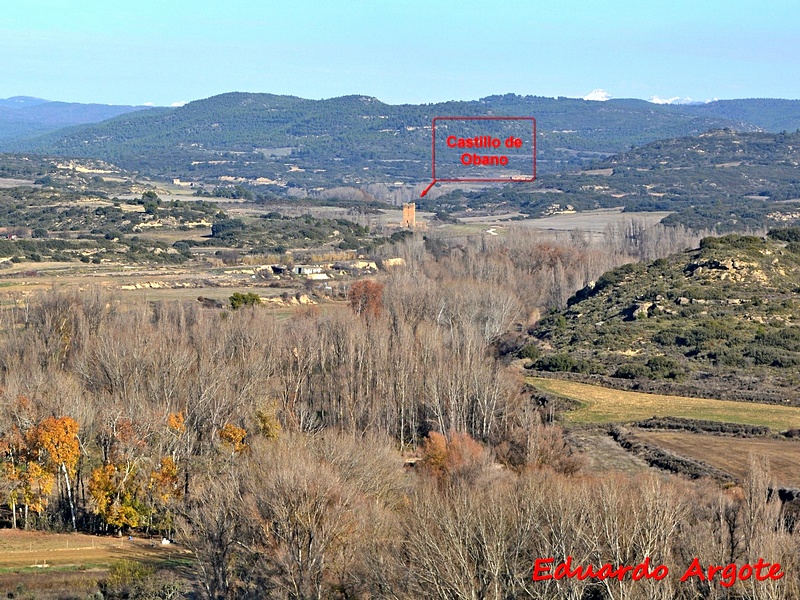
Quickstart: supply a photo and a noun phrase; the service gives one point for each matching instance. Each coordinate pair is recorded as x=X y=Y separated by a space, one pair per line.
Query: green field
x=603 y=405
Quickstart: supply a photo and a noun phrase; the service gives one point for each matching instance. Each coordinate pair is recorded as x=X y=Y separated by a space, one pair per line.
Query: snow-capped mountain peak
x=673 y=100
x=678 y=100
x=598 y=95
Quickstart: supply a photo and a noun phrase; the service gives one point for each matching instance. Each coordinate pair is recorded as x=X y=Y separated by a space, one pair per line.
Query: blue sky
x=121 y=52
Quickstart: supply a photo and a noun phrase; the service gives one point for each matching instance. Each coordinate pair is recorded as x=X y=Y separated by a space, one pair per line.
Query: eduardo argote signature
x=728 y=574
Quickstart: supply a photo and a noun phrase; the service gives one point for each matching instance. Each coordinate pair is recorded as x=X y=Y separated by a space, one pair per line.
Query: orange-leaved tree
x=233 y=438
x=55 y=440
x=366 y=298
x=460 y=456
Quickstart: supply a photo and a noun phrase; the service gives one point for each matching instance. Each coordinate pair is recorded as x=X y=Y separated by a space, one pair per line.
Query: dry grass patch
x=604 y=455
x=732 y=454
x=604 y=405
x=34 y=549
x=170 y=236
x=40 y=565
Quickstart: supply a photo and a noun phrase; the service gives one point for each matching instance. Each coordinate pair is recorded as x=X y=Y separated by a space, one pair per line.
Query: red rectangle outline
x=512 y=179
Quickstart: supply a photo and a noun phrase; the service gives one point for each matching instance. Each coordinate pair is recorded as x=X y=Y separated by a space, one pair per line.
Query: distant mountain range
x=676 y=100
x=21 y=102
x=24 y=117
x=287 y=141
x=600 y=95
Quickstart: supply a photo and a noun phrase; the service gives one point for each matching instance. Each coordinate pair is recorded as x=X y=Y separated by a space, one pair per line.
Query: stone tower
x=410 y=215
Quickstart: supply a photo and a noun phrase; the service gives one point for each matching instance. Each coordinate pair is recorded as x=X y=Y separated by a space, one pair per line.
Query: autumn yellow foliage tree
x=233 y=438
x=114 y=493
x=35 y=486
x=164 y=481
x=176 y=422
x=164 y=490
x=29 y=484
x=55 y=442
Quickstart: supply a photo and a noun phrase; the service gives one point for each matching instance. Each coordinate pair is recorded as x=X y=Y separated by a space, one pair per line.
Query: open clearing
x=594 y=221
x=33 y=549
x=10 y=183
x=149 y=282
x=604 y=455
x=604 y=405
x=48 y=564
x=732 y=454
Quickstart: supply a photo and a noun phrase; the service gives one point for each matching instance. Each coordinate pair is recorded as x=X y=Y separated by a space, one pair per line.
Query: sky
x=171 y=51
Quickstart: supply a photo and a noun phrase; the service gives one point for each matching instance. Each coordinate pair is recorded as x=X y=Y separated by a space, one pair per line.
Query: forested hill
x=358 y=139
x=720 y=180
x=774 y=115
x=23 y=117
x=719 y=321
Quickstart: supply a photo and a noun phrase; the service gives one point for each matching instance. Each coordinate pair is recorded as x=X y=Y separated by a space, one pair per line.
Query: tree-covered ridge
x=718 y=320
x=771 y=114
x=345 y=135
x=722 y=179
x=22 y=118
